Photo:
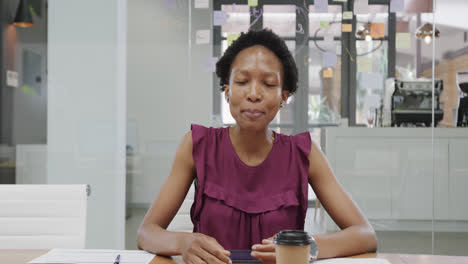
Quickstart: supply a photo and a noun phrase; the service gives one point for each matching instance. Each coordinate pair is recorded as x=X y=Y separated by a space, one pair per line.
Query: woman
x=250 y=181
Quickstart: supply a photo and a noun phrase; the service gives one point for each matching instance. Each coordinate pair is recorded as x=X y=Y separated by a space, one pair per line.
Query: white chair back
x=182 y=221
x=42 y=216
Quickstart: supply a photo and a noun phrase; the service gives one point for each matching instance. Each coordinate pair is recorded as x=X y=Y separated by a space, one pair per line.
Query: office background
x=106 y=90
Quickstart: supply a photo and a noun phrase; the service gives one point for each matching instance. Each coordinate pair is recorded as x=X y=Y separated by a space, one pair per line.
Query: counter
x=397 y=180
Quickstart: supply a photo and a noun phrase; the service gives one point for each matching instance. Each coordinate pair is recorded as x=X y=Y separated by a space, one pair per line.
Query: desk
x=23 y=256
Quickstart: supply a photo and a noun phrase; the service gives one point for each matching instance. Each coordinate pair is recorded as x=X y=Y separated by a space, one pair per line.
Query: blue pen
x=117 y=259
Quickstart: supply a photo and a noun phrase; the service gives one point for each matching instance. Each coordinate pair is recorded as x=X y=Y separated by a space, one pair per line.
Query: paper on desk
x=89 y=256
x=352 y=261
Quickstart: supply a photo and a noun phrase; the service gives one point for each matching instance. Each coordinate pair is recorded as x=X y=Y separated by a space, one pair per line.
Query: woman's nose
x=254 y=93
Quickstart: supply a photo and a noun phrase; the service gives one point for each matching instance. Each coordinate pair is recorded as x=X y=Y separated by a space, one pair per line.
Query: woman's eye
x=270 y=85
x=241 y=82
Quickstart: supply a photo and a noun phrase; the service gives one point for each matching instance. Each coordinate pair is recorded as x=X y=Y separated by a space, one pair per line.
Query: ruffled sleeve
x=303 y=143
x=199 y=138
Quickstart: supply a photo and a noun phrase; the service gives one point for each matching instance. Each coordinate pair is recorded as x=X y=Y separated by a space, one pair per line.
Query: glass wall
x=382 y=89
x=23 y=96
x=62 y=101
x=449 y=67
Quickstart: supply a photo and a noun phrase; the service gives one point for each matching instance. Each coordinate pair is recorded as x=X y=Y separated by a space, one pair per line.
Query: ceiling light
x=364 y=32
x=23 y=16
x=425 y=32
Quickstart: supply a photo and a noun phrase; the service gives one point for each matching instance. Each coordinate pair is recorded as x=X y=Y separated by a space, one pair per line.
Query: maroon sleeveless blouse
x=240 y=205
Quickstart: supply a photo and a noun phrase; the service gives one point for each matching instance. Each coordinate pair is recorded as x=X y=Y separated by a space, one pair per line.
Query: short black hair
x=269 y=40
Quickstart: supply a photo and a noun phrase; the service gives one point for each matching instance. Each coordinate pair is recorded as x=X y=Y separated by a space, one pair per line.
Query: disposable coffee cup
x=292 y=247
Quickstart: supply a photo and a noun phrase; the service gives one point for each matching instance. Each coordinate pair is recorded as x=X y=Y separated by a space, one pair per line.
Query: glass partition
x=366 y=94
x=382 y=90
x=449 y=67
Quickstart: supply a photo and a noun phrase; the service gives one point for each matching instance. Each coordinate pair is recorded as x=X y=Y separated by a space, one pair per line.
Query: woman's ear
x=226 y=91
x=284 y=96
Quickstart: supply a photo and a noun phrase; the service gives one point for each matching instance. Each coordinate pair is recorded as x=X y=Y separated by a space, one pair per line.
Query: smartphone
x=242 y=256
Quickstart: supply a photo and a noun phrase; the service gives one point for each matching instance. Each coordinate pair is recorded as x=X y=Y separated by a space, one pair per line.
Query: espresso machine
x=462 y=81
x=411 y=103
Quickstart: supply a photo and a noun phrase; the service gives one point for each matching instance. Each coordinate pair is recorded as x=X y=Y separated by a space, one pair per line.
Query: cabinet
x=458 y=179
x=393 y=174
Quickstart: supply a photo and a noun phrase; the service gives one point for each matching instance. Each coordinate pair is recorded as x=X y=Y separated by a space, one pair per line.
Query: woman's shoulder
x=203 y=130
x=202 y=133
x=302 y=141
x=297 y=138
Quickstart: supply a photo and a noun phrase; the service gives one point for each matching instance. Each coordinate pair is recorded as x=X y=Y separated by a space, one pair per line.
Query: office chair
x=36 y=216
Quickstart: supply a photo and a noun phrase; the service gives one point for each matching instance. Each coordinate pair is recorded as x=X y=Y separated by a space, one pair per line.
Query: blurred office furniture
x=7 y=164
x=31 y=164
x=182 y=221
x=391 y=174
x=42 y=216
x=132 y=170
x=315 y=222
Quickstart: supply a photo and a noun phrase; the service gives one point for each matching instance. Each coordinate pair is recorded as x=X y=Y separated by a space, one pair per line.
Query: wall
x=167 y=88
x=86 y=109
x=24 y=115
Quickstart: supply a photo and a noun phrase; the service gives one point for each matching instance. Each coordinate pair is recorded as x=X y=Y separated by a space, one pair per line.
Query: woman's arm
x=357 y=235
x=152 y=235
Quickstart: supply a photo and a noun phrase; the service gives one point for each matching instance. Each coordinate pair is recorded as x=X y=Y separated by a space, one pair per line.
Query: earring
x=282 y=105
x=227 y=99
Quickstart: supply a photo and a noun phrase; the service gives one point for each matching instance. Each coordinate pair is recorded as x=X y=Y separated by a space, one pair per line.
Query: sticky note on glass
x=361 y=7
x=321 y=6
x=371 y=80
x=202 y=4
x=329 y=59
x=219 y=18
x=12 y=79
x=210 y=64
x=253 y=3
x=327 y=73
x=338 y=49
x=324 y=24
x=169 y=4
x=202 y=37
x=420 y=6
x=232 y=37
x=403 y=40
x=347 y=15
x=364 y=64
x=402 y=26
x=397 y=6
x=328 y=38
x=372 y=101
x=347 y=27
x=377 y=30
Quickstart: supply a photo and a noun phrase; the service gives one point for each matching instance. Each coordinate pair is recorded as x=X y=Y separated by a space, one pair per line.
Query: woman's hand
x=199 y=248
x=265 y=252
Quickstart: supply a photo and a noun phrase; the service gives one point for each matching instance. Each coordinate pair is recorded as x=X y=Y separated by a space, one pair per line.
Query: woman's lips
x=252 y=114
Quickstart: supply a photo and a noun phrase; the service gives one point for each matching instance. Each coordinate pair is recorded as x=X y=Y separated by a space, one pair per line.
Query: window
x=326 y=93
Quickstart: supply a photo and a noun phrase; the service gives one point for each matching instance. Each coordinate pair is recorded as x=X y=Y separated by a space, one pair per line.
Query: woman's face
x=255 y=87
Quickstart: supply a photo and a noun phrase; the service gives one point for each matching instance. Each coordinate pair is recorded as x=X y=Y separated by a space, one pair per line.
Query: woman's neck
x=251 y=142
